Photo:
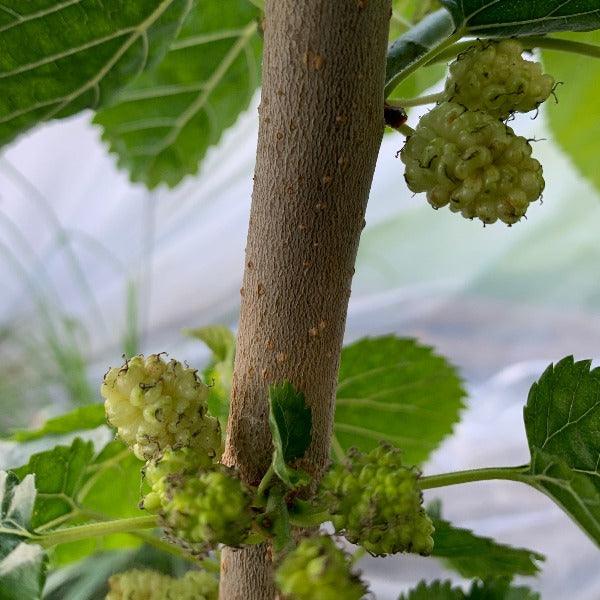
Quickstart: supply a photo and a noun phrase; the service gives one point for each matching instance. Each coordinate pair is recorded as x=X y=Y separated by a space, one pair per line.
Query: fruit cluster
x=146 y=584
x=375 y=501
x=317 y=568
x=462 y=153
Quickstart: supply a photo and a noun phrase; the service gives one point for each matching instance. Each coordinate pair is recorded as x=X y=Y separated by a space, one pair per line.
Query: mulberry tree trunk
x=321 y=124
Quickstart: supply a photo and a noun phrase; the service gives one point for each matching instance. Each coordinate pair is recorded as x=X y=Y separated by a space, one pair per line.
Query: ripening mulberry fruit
x=495 y=78
x=156 y=405
x=212 y=508
x=146 y=584
x=169 y=471
x=317 y=568
x=376 y=502
x=472 y=162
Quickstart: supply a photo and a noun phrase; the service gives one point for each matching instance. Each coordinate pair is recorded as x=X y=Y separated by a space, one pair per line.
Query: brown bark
x=321 y=123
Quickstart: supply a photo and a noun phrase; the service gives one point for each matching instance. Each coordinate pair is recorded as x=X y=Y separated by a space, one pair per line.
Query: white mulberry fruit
x=156 y=405
x=495 y=78
x=317 y=568
x=376 y=502
x=145 y=584
x=212 y=508
x=472 y=162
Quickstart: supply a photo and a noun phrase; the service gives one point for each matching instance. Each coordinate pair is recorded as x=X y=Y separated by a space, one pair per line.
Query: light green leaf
x=562 y=420
x=475 y=556
x=22 y=565
x=161 y=126
x=278 y=516
x=509 y=18
x=290 y=421
x=392 y=389
x=574 y=118
x=219 y=339
x=219 y=372
x=57 y=58
x=80 y=419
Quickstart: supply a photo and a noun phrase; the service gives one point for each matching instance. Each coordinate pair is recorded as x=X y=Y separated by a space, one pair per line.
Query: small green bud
x=318 y=569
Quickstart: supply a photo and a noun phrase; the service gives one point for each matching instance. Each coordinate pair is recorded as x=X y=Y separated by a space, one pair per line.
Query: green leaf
x=414 y=47
x=499 y=589
x=509 y=17
x=277 y=514
x=574 y=492
x=22 y=565
x=436 y=590
x=75 y=484
x=575 y=127
x=392 y=389
x=219 y=372
x=57 y=58
x=493 y=589
x=219 y=339
x=562 y=420
x=475 y=556
x=80 y=419
x=161 y=126
x=290 y=421
x=59 y=474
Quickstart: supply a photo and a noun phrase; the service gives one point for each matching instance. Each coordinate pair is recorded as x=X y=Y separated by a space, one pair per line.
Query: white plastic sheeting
x=500 y=302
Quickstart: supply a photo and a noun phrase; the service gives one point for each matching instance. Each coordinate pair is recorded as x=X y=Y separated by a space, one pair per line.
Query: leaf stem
x=90 y=530
x=418 y=101
x=424 y=59
x=337 y=449
x=472 y=475
x=265 y=481
x=528 y=42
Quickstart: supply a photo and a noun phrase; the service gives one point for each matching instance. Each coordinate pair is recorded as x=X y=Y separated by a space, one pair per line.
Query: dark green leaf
x=574 y=120
x=22 y=565
x=499 y=589
x=475 y=556
x=437 y=590
x=57 y=58
x=290 y=422
x=80 y=419
x=413 y=47
x=516 y=17
x=162 y=125
x=493 y=589
x=392 y=389
x=219 y=372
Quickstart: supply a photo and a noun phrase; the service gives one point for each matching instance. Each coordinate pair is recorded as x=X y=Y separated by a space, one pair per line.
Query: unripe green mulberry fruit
x=169 y=471
x=156 y=405
x=212 y=508
x=472 y=162
x=318 y=569
x=146 y=584
x=376 y=502
x=495 y=78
